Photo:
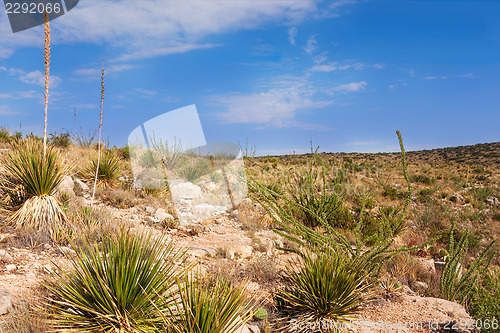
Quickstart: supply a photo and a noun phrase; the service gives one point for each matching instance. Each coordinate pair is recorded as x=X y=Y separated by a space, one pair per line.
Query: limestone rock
x=185 y=191
x=5 y=257
x=5 y=301
x=67 y=186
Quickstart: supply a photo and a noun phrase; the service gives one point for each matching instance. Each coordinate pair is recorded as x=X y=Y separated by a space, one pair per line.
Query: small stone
x=5 y=257
x=10 y=267
x=5 y=301
x=149 y=210
x=492 y=201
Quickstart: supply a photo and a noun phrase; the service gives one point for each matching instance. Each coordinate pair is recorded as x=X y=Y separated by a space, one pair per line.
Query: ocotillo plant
x=47 y=68
x=100 y=130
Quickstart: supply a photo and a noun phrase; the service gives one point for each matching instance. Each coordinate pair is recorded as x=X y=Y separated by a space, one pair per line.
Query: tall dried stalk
x=100 y=130
x=47 y=68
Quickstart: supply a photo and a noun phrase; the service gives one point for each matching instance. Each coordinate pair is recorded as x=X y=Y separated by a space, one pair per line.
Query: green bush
x=193 y=170
x=422 y=179
x=61 y=140
x=210 y=305
x=325 y=287
x=124 y=285
x=109 y=168
x=30 y=181
x=484 y=302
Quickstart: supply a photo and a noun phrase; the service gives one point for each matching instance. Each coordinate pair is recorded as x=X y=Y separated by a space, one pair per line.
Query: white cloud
x=311 y=45
x=444 y=77
x=393 y=86
x=38 y=78
x=107 y=70
x=5 y=110
x=149 y=28
x=436 y=77
x=34 y=77
x=86 y=106
x=146 y=92
x=274 y=107
x=348 y=87
x=292 y=33
x=5 y=95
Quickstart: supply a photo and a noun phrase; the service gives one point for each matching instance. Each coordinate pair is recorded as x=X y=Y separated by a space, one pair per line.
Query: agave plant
x=124 y=285
x=325 y=287
x=30 y=181
x=109 y=168
x=210 y=305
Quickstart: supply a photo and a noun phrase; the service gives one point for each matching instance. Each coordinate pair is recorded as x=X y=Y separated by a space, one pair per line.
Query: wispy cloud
x=34 y=77
x=21 y=94
x=292 y=33
x=272 y=107
x=6 y=110
x=311 y=45
x=96 y=71
x=142 y=29
x=348 y=87
x=444 y=77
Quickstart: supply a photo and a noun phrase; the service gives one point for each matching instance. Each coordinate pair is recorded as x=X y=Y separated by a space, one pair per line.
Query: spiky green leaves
x=124 y=286
x=109 y=168
x=30 y=180
x=325 y=287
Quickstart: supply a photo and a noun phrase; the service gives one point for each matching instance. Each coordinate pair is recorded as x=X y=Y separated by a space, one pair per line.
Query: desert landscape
x=323 y=236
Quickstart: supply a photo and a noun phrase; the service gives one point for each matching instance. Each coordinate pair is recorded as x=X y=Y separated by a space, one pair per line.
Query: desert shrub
x=192 y=171
x=123 y=285
x=484 y=302
x=117 y=198
x=61 y=140
x=453 y=285
x=171 y=154
x=30 y=181
x=425 y=195
x=312 y=195
x=325 y=287
x=109 y=169
x=393 y=193
x=149 y=160
x=5 y=135
x=210 y=305
x=424 y=179
x=481 y=193
x=85 y=140
x=28 y=316
x=327 y=239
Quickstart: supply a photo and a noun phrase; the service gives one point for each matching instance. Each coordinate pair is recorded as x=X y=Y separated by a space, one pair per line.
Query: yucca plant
x=124 y=285
x=150 y=160
x=193 y=170
x=325 y=287
x=210 y=305
x=109 y=168
x=31 y=179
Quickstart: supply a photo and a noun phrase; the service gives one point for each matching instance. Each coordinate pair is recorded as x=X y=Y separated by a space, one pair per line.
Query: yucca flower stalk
x=100 y=131
x=47 y=72
x=31 y=179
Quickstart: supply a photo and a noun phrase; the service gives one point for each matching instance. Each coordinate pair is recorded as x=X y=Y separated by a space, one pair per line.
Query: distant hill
x=485 y=154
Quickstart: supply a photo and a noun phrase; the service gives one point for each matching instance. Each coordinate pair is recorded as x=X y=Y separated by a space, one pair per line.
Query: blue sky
x=345 y=74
